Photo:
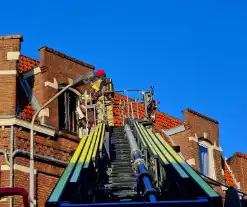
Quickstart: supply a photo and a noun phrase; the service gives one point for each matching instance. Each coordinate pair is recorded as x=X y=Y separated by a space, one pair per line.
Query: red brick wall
x=196 y=123
x=8 y=94
x=4 y=182
x=199 y=124
x=44 y=191
x=47 y=173
x=8 y=44
x=4 y=138
x=44 y=146
x=189 y=149
x=45 y=179
x=238 y=164
x=4 y=175
x=21 y=179
x=218 y=166
x=55 y=65
x=8 y=82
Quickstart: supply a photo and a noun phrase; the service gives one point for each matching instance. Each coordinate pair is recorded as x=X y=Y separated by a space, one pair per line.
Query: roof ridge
x=241 y=154
x=67 y=57
x=201 y=115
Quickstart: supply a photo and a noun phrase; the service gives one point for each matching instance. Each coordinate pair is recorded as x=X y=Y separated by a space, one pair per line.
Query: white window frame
x=211 y=163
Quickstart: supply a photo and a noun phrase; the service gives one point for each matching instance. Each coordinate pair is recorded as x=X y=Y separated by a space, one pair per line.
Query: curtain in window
x=204 y=162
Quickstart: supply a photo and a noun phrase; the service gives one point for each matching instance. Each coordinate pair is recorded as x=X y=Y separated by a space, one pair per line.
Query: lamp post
x=86 y=78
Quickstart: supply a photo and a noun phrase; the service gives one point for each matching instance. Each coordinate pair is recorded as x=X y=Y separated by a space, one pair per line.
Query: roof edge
x=231 y=172
x=7 y=37
x=66 y=57
x=29 y=58
x=239 y=154
x=201 y=115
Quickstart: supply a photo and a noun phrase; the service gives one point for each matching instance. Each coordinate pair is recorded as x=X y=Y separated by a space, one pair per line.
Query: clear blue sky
x=194 y=52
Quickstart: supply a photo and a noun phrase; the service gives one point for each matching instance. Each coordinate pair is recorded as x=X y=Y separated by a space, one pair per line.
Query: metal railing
x=130 y=106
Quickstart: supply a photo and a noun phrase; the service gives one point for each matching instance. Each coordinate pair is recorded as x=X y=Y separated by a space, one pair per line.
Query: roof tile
x=26 y=63
x=28 y=112
x=163 y=121
x=240 y=154
x=229 y=180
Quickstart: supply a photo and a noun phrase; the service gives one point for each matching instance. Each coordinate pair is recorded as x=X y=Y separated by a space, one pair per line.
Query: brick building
x=27 y=84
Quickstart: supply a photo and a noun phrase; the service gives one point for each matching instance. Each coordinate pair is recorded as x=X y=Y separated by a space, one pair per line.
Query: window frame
x=204 y=162
x=68 y=126
x=211 y=162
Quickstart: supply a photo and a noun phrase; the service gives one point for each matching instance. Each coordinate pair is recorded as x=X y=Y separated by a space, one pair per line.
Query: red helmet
x=100 y=72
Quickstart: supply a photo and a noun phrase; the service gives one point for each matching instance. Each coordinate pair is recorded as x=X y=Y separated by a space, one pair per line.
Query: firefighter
x=98 y=85
x=96 y=79
x=152 y=106
x=153 y=113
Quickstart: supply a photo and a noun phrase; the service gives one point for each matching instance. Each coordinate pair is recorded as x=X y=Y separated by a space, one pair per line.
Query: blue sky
x=194 y=52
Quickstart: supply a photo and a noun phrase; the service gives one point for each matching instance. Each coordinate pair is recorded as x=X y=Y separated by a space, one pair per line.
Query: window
x=206 y=156
x=68 y=118
x=204 y=160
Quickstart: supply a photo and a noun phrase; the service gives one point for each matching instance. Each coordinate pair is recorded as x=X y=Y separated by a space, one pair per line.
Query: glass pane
x=204 y=163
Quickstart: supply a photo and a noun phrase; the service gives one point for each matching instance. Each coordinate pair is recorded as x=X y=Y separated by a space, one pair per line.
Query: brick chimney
x=238 y=164
x=10 y=47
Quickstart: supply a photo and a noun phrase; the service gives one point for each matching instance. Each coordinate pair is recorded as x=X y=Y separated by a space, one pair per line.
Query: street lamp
x=86 y=78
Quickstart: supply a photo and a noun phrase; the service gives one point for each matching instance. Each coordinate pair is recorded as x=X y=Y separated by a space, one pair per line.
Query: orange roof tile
x=229 y=180
x=162 y=121
x=165 y=121
x=159 y=130
x=26 y=63
x=28 y=112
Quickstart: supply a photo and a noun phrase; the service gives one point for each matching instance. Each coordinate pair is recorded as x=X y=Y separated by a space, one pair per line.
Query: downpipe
x=139 y=164
x=11 y=173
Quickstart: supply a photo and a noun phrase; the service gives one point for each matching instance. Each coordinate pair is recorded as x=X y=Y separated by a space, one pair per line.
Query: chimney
x=10 y=47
